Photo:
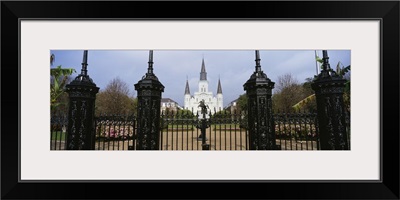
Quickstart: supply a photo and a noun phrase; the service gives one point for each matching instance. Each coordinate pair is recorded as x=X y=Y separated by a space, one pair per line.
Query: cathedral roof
x=167 y=100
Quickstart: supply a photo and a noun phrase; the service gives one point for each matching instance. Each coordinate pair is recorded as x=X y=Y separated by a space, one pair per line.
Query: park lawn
x=58 y=135
x=177 y=126
x=213 y=126
x=225 y=126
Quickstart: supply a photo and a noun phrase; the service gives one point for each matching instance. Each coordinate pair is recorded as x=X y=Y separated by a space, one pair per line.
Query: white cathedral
x=214 y=103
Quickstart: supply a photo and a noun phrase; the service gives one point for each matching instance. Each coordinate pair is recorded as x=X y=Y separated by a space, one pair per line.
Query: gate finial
x=150 y=68
x=325 y=58
x=84 y=63
x=258 y=65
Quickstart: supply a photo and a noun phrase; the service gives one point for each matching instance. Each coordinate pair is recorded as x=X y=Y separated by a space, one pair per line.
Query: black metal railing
x=181 y=131
x=223 y=131
x=112 y=132
x=178 y=131
x=58 y=131
x=348 y=130
x=296 y=131
x=229 y=131
x=115 y=132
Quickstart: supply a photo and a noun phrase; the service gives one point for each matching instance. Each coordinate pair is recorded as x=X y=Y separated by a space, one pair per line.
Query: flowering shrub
x=111 y=133
x=295 y=131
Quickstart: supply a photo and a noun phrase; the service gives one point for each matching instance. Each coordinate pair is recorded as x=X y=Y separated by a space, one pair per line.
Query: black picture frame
x=386 y=11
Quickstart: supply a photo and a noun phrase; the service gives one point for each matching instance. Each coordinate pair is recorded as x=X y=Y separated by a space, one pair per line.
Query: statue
x=203 y=125
x=203 y=107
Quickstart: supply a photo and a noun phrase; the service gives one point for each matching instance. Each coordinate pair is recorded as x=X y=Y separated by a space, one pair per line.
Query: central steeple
x=203 y=73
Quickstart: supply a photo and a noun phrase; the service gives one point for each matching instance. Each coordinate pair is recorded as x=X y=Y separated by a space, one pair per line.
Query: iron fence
x=58 y=131
x=181 y=131
x=296 y=131
x=223 y=131
x=115 y=132
x=229 y=131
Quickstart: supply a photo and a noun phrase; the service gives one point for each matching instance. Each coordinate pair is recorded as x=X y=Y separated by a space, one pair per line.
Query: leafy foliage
x=116 y=99
x=223 y=114
x=341 y=71
x=289 y=92
x=185 y=114
x=309 y=102
x=59 y=78
x=304 y=102
x=242 y=102
x=319 y=60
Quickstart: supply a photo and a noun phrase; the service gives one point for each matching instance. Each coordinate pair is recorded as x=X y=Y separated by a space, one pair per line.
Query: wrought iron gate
x=85 y=132
x=182 y=131
x=223 y=131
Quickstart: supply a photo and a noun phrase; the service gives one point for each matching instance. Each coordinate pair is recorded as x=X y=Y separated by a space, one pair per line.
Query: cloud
x=234 y=67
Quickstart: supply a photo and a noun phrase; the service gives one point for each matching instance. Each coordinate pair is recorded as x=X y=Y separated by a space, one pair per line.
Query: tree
x=308 y=103
x=285 y=81
x=115 y=99
x=184 y=114
x=242 y=102
x=288 y=92
x=342 y=71
x=59 y=78
x=221 y=115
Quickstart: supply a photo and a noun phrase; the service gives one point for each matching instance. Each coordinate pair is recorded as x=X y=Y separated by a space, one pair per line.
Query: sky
x=174 y=67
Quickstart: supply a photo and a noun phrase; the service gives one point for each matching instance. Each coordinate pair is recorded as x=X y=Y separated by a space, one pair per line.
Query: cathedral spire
x=203 y=73
x=187 y=90
x=219 y=90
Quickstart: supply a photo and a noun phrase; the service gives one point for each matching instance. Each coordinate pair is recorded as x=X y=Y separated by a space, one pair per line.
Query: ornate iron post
x=82 y=95
x=203 y=125
x=149 y=91
x=260 y=119
x=328 y=87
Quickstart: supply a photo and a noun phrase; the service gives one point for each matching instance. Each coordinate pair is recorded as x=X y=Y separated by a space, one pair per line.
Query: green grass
x=192 y=127
x=58 y=135
x=225 y=126
x=175 y=126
